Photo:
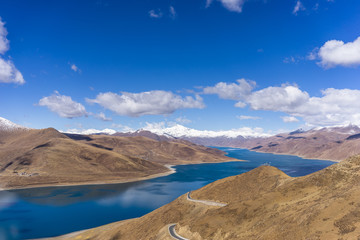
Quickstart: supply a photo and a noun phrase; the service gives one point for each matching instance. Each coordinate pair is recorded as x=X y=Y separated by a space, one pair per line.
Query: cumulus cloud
x=238 y=91
x=284 y=98
x=63 y=105
x=122 y=128
x=334 y=107
x=245 y=117
x=102 y=116
x=4 y=42
x=289 y=119
x=8 y=72
x=75 y=68
x=183 y=120
x=231 y=5
x=337 y=53
x=146 y=103
x=299 y=6
x=155 y=13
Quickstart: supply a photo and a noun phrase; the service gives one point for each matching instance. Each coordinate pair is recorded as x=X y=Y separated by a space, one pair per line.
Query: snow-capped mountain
x=106 y=131
x=180 y=131
x=6 y=125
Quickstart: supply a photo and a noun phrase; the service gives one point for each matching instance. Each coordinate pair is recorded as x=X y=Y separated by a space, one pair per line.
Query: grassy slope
x=47 y=157
x=264 y=203
x=37 y=157
x=312 y=144
x=164 y=152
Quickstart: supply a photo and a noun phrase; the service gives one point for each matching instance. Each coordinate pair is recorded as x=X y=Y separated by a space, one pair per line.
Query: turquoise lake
x=53 y=211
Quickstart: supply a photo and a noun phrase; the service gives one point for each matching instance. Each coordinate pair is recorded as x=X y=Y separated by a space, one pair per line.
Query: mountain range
x=263 y=203
x=330 y=143
x=43 y=157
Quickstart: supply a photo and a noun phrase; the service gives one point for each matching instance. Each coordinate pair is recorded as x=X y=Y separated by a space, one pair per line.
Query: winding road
x=172 y=231
x=206 y=202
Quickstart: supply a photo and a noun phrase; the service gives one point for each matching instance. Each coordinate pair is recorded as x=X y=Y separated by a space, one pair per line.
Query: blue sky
x=208 y=65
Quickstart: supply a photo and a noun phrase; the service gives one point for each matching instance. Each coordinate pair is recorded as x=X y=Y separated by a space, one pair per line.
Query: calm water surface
x=53 y=211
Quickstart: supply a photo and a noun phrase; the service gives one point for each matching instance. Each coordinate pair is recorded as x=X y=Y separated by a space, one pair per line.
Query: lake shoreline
x=152 y=176
x=110 y=182
x=125 y=199
x=107 y=182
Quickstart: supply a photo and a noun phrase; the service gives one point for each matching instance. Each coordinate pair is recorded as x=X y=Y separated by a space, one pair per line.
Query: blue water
x=53 y=211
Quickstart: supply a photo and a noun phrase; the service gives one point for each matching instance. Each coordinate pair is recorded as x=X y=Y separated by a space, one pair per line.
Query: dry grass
x=264 y=203
x=30 y=158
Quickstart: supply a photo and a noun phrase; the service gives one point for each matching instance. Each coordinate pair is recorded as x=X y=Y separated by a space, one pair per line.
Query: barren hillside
x=264 y=203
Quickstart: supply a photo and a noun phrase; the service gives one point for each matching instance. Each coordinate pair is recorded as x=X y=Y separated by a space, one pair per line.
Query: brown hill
x=327 y=143
x=47 y=157
x=165 y=152
x=264 y=203
x=31 y=157
x=144 y=133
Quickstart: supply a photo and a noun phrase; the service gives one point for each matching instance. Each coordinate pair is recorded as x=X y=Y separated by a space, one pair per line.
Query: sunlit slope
x=37 y=157
x=165 y=152
x=264 y=203
x=327 y=143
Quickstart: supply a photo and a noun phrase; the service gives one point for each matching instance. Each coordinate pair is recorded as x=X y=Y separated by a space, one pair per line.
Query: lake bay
x=53 y=211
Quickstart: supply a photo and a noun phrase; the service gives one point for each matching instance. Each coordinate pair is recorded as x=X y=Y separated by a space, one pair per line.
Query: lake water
x=53 y=211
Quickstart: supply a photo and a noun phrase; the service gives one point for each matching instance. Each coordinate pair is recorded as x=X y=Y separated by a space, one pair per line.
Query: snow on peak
x=90 y=131
x=7 y=125
x=178 y=131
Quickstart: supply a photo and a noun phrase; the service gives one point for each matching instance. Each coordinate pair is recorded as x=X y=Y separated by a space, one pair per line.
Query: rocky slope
x=333 y=143
x=47 y=157
x=31 y=157
x=336 y=143
x=162 y=151
x=264 y=203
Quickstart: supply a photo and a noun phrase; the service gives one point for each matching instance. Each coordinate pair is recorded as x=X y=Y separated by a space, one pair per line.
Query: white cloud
x=177 y=130
x=292 y=59
x=75 y=68
x=90 y=131
x=146 y=103
x=8 y=72
x=155 y=13
x=122 y=128
x=231 y=5
x=64 y=106
x=234 y=91
x=299 y=6
x=172 y=12
x=208 y=3
x=284 y=98
x=102 y=116
x=289 y=119
x=183 y=120
x=4 y=42
x=334 y=107
x=244 y=117
x=337 y=53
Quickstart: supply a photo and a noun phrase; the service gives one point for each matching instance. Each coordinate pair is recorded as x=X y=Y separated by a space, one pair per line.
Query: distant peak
x=178 y=131
x=300 y=130
x=7 y=125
